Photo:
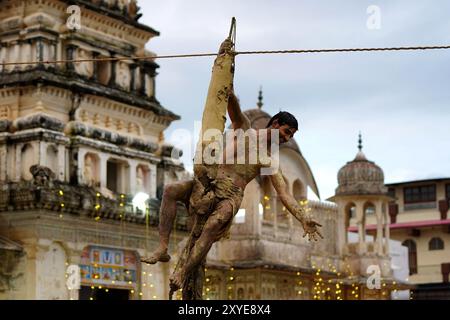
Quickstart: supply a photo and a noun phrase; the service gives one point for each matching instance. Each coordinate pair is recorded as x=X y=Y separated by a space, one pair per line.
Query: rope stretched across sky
x=194 y=55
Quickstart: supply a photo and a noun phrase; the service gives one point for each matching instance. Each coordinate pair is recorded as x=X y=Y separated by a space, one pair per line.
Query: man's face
x=286 y=132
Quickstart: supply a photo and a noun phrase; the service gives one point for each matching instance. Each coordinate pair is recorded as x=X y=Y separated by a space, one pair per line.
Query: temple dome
x=361 y=177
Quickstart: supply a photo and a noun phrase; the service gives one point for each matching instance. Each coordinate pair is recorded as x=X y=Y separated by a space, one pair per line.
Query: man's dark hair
x=284 y=117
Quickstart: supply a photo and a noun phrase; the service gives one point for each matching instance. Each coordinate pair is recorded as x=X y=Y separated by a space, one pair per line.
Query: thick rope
x=304 y=51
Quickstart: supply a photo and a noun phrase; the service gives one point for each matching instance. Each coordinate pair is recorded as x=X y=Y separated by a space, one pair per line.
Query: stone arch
x=117 y=175
x=240 y=293
x=27 y=160
x=369 y=208
x=251 y=294
x=349 y=217
x=52 y=159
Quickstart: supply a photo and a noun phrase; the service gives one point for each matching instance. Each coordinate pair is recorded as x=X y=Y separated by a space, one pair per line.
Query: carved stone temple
x=78 y=142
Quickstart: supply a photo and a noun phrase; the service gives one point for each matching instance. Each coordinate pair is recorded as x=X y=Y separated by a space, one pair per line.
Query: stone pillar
x=360 y=223
x=18 y=163
x=15 y=56
x=40 y=50
x=80 y=168
x=386 y=233
x=25 y=53
x=60 y=175
x=3 y=162
x=143 y=84
x=132 y=177
x=379 y=216
x=153 y=181
x=59 y=52
x=103 y=171
x=2 y=56
x=42 y=154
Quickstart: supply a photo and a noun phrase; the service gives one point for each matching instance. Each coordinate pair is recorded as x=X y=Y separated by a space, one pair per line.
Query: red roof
x=406 y=225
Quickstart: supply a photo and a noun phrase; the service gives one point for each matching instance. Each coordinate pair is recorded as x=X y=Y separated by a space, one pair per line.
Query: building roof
x=394 y=184
x=407 y=225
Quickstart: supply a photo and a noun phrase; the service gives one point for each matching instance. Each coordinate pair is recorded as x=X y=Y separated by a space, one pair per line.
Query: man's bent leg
x=179 y=191
x=212 y=230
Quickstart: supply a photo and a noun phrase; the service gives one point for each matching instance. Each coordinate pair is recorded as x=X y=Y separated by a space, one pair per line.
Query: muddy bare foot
x=159 y=255
x=175 y=282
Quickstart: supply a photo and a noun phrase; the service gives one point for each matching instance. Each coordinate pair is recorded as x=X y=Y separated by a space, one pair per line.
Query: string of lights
x=236 y=53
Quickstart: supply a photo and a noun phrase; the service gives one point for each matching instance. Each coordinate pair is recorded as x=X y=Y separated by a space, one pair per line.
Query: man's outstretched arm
x=299 y=212
x=238 y=119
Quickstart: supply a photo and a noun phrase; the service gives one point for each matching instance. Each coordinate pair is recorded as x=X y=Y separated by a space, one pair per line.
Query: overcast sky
x=398 y=100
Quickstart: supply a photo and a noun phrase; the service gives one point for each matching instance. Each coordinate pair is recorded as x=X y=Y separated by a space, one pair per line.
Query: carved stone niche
x=123 y=75
x=91 y=171
x=85 y=68
x=103 y=71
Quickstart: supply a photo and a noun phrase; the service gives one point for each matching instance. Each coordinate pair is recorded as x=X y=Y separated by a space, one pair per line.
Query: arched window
x=52 y=159
x=369 y=209
x=412 y=255
x=91 y=171
x=436 y=244
x=240 y=294
x=27 y=160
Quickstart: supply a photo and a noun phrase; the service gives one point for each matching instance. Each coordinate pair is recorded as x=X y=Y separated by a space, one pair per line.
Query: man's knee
x=170 y=191
x=218 y=224
x=177 y=191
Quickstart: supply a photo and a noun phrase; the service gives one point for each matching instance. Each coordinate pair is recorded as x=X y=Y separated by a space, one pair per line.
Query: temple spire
x=360 y=142
x=260 y=98
x=360 y=156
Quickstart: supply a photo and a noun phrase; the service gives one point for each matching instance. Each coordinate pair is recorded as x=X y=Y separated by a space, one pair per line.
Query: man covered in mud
x=221 y=173
x=214 y=196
